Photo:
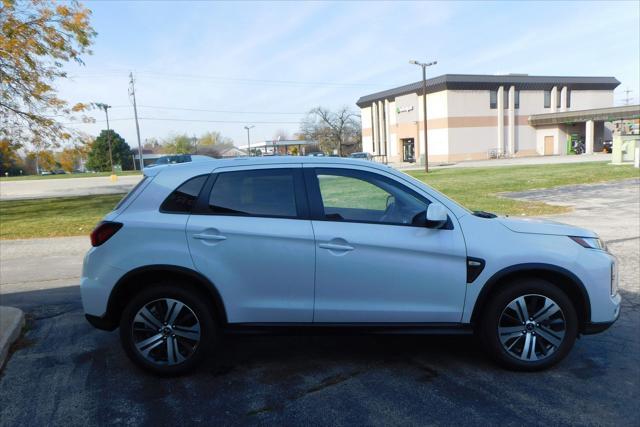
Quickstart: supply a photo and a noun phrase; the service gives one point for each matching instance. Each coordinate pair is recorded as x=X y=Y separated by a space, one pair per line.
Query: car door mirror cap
x=436 y=215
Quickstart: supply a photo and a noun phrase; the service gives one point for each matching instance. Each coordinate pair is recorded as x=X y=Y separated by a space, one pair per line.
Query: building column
x=383 y=132
x=589 y=137
x=512 y=122
x=501 y=148
x=554 y=97
x=563 y=99
x=375 y=136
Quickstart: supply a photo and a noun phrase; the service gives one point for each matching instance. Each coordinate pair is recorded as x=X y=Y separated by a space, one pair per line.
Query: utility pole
x=248 y=128
x=627 y=99
x=132 y=93
x=424 y=107
x=106 y=107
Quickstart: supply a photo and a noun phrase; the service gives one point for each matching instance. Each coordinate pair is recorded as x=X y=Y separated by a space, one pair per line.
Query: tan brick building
x=474 y=117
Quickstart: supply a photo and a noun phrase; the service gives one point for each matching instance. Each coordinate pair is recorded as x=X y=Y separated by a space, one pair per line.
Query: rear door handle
x=215 y=237
x=335 y=247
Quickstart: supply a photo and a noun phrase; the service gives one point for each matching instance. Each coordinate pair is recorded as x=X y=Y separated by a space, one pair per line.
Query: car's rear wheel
x=529 y=325
x=167 y=329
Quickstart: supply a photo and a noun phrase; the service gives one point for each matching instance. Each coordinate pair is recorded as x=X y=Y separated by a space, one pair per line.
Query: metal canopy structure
x=611 y=114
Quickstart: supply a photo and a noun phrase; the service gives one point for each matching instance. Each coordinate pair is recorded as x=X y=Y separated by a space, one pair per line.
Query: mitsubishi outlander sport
x=262 y=244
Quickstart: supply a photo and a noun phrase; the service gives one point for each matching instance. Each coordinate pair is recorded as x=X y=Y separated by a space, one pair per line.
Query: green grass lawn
x=475 y=188
x=63 y=216
x=479 y=188
x=64 y=176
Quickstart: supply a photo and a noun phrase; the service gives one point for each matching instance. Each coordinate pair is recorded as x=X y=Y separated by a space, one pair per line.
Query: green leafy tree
x=178 y=144
x=98 y=157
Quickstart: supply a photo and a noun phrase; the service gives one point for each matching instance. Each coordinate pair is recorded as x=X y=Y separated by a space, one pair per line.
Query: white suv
x=265 y=244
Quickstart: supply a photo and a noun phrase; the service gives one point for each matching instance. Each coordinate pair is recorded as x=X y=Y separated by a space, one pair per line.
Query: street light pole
x=424 y=107
x=106 y=107
x=248 y=138
x=194 y=140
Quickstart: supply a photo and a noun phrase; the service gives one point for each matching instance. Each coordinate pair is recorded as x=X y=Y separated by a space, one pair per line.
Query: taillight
x=103 y=232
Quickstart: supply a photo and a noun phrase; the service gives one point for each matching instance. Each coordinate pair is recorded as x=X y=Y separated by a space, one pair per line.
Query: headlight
x=590 y=242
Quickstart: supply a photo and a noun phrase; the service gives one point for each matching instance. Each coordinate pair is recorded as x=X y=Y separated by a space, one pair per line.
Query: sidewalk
x=517 y=161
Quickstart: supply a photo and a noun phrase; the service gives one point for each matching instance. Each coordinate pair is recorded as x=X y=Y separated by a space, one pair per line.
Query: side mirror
x=436 y=215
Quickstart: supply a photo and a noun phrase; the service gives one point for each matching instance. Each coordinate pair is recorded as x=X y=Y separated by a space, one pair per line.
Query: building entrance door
x=408 y=150
x=548 y=145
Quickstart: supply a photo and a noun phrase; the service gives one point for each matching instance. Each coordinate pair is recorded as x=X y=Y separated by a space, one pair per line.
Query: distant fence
x=379 y=158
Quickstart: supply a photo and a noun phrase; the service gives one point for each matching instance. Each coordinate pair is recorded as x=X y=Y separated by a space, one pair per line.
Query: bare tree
x=333 y=129
x=281 y=134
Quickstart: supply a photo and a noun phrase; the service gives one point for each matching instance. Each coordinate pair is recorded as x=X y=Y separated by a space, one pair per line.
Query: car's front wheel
x=529 y=325
x=167 y=329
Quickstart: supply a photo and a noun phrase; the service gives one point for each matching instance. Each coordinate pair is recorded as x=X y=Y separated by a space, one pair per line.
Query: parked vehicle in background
x=361 y=155
x=179 y=158
x=315 y=154
x=338 y=243
x=607 y=146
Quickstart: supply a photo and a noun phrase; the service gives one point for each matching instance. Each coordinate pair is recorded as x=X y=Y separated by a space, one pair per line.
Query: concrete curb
x=11 y=323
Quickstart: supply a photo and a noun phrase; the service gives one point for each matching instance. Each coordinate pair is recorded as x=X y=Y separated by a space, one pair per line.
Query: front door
x=249 y=235
x=376 y=261
x=548 y=145
x=408 y=150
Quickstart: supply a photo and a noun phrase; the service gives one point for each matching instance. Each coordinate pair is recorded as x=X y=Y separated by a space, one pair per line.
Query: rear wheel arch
x=140 y=278
x=565 y=280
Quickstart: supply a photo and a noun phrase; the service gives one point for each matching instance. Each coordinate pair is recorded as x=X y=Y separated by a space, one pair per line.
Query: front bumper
x=591 y=328
x=104 y=323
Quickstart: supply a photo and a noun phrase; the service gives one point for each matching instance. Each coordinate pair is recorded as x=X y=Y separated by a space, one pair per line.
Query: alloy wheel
x=532 y=327
x=166 y=331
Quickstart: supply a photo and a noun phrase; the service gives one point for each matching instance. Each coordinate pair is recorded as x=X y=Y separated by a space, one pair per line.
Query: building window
x=506 y=99
x=568 y=98
x=558 y=98
x=547 y=99
x=493 y=99
x=517 y=99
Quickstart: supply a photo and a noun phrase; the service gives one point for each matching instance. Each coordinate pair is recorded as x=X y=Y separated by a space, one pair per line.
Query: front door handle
x=335 y=247
x=215 y=237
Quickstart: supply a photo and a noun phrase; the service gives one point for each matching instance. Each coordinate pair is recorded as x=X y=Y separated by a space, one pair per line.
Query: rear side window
x=266 y=192
x=183 y=198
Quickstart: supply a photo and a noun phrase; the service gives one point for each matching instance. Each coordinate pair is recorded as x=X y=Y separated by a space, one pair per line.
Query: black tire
x=197 y=312
x=496 y=313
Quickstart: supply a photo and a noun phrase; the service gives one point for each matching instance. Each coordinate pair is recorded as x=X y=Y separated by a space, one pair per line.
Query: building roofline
x=488 y=82
x=609 y=114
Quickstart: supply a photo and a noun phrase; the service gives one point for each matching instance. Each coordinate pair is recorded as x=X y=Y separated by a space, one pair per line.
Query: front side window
x=366 y=197
x=183 y=198
x=262 y=192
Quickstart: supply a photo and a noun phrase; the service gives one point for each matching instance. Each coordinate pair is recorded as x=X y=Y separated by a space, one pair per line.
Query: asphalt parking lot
x=66 y=372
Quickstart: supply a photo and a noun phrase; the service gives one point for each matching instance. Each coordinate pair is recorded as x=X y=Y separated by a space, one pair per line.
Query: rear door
x=251 y=236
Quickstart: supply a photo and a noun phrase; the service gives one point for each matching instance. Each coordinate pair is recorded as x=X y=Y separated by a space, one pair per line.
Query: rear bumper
x=104 y=323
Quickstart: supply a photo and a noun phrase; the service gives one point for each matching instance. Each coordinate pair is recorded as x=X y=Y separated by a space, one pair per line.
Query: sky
x=219 y=66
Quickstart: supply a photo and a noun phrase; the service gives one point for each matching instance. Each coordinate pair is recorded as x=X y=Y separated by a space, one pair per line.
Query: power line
x=221 y=111
x=164 y=119
x=232 y=79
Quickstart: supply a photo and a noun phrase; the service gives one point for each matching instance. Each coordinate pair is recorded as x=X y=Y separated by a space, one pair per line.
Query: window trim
x=316 y=205
x=202 y=204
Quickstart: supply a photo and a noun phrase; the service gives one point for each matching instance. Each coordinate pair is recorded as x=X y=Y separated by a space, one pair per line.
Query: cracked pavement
x=69 y=373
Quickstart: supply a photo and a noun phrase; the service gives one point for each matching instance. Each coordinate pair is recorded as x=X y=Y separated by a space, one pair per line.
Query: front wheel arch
x=565 y=280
